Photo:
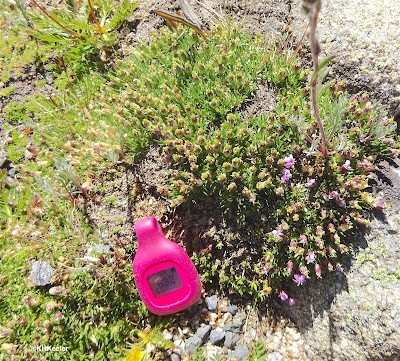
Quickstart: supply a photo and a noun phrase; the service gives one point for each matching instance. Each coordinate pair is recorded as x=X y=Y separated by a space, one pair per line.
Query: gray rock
x=231 y=339
x=352 y=315
x=212 y=303
x=241 y=352
x=193 y=343
x=11 y=172
x=175 y=357
x=41 y=273
x=239 y=318
x=216 y=337
x=275 y=356
x=232 y=327
x=202 y=332
x=233 y=309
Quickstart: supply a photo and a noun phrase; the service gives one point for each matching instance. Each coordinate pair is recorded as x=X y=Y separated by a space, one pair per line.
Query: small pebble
x=216 y=337
x=241 y=352
x=227 y=318
x=232 y=327
x=232 y=309
x=231 y=339
x=212 y=302
x=175 y=357
x=193 y=343
x=203 y=332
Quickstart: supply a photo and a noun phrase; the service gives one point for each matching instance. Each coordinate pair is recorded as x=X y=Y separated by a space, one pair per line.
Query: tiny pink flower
x=286 y=175
x=345 y=167
x=326 y=197
x=311 y=182
x=292 y=302
x=267 y=267
x=289 y=161
x=299 y=279
x=361 y=165
x=283 y=296
x=334 y=195
x=310 y=258
x=290 y=266
x=320 y=230
x=304 y=270
x=58 y=316
x=278 y=232
x=318 y=270
x=303 y=238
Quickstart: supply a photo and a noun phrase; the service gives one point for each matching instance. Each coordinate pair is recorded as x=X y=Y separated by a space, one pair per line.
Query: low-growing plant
x=86 y=30
x=269 y=164
x=185 y=94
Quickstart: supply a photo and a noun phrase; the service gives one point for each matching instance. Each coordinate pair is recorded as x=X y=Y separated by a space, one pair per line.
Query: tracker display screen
x=165 y=281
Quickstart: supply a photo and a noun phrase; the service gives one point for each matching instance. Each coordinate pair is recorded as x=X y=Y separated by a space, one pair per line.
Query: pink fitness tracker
x=165 y=277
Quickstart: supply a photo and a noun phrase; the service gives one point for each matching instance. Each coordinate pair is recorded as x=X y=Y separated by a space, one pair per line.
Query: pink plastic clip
x=165 y=277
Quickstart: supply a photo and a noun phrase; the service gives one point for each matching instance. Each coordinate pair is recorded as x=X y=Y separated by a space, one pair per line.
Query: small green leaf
x=321 y=65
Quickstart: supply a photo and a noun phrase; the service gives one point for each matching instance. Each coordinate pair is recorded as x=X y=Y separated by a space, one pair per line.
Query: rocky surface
x=219 y=333
x=363 y=35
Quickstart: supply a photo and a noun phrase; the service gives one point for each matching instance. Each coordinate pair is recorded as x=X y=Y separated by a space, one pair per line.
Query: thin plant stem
x=73 y=33
x=94 y=16
x=315 y=53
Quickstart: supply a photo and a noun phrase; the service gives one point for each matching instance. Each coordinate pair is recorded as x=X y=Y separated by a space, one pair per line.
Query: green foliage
x=16 y=149
x=18 y=51
x=13 y=203
x=258 y=353
x=84 y=30
x=16 y=113
x=7 y=92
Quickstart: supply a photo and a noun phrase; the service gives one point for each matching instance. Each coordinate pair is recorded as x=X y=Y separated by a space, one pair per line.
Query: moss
x=16 y=113
x=7 y=92
x=16 y=149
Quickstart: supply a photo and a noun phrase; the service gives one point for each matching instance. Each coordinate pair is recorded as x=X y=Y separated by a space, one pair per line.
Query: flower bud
x=55 y=291
x=318 y=270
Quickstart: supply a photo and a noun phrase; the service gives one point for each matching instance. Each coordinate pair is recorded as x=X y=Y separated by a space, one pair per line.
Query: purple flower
x=286 y=175
x=292 y=302
x=311 y=182
x=283 y=296
x=58 y=316
x=278 y=232
x=267 y=267
x=299 y=279
x=334 y=195
x=310 y=258
x=289 y=161
x=303 y=238
x=345 y=167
